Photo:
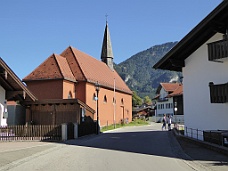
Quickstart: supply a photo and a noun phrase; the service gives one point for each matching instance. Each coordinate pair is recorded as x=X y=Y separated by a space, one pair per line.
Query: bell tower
x=106 y=52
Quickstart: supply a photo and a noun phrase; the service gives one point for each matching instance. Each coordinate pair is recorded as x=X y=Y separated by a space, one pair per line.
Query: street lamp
x=175 y=107
x=97 y=86
x=175 y=110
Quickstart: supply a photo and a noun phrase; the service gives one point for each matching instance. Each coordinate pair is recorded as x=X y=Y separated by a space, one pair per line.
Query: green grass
x=136 y=122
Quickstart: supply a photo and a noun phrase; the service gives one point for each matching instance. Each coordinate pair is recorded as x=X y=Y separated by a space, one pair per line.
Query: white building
x=202 y=57
x=169 y=101
x=11 y=89
x=3 y=107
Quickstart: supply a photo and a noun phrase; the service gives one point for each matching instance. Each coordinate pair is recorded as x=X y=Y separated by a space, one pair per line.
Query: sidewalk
x=210 y=156
x=210 y=159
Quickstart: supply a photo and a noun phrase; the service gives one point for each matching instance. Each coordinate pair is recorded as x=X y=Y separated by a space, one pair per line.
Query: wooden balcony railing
x=218 y=93
x=163 y=99
x=218 y=50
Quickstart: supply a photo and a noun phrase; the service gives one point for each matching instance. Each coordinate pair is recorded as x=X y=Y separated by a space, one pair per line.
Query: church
x=74 y=74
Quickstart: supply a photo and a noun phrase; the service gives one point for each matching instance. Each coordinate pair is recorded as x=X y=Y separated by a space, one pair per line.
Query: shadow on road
x=136 y=142
x=158 y=143
x=199 y=153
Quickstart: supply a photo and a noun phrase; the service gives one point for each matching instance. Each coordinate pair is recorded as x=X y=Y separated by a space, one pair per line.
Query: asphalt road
x=130 y=148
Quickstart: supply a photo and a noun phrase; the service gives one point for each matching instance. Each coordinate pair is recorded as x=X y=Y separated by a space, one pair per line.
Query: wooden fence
x=219 y=137
x=30 y=132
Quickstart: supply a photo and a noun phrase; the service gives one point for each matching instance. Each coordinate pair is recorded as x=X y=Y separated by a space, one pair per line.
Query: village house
x=169 y=101
x=202 y=57
x=76 y=75
x=19 y=106
x=12 y=90
x=143 y=111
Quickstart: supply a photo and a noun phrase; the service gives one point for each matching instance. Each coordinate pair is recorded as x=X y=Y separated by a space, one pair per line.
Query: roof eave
x=199 y=34
x=17 y=80
x=111 y=87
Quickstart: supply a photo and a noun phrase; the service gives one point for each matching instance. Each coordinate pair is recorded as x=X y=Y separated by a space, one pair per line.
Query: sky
x=32 y=30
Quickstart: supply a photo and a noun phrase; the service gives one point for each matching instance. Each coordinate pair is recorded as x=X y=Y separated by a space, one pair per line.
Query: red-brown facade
x=73 y=75
x=85 y=71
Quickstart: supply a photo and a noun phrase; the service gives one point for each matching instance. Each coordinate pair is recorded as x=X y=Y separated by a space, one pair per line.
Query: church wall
x=68 y=89
x=107 y=110
x=46 y=89
x=80 y=91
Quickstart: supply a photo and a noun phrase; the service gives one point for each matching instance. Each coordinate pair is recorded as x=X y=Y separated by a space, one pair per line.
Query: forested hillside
x=138 y=73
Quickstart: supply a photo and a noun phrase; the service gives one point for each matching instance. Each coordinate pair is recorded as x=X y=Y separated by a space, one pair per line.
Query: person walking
x=164 y=122
x=169 y=122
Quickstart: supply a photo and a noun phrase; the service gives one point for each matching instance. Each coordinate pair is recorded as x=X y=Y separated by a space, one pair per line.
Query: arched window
x=122 y=101
x=70 y=95
x=113 y=100
x=105 y=99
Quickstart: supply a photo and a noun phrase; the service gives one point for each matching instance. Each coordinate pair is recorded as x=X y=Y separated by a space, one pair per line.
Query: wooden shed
x=57 y=111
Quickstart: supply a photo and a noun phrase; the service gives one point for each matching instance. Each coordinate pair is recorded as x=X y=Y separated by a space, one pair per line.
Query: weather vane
x=106 y=16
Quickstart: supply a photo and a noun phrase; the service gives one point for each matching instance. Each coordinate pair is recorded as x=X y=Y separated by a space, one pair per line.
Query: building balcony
x=218 y=51
x=163 y=99
x=218 y=93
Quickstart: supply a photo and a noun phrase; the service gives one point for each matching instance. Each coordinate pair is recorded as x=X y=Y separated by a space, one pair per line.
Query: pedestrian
x=164 y=122
x=169 y=122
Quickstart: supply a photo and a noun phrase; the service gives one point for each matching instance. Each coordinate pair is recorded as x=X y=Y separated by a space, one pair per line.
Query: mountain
x=138 y=73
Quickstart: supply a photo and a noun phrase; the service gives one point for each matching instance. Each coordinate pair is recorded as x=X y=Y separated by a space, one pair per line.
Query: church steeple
x=106 y=53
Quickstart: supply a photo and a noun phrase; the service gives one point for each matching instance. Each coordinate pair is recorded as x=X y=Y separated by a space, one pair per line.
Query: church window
x=70 y=95
x=105 y=99
x=122 y=101
x=113 y=101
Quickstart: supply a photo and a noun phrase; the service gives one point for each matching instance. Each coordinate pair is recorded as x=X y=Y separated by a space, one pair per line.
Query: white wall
x=163 y=93
x=2 y=106
x=165 y=110
x=199 y=112
x=178 y=119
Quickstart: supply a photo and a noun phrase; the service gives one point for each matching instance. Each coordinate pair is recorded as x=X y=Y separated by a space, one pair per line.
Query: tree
x=147 y=100
x=136 y=100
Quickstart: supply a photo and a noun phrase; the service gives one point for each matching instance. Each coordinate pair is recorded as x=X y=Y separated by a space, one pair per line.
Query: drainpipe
x=75 y=90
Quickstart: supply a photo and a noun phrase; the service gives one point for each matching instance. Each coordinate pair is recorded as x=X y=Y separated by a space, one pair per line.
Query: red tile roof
x=174 y=89
x=64 y=68
x=177 y=92
x=54 y=67
x=73 y=65
x=170 y=87
x=93 y=70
